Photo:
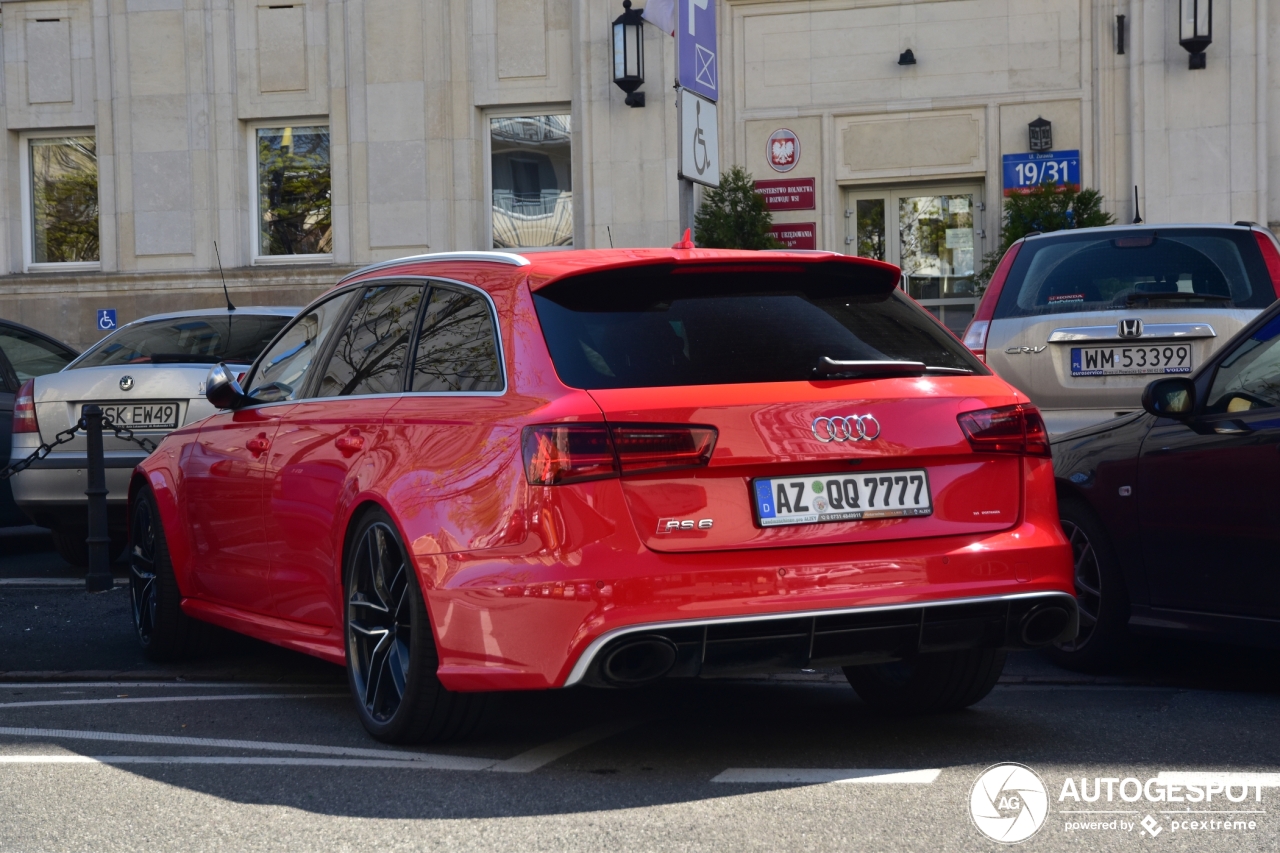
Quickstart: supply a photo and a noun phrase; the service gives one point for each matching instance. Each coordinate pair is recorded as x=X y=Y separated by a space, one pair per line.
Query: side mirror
x=1170 y=398
x=222 y=390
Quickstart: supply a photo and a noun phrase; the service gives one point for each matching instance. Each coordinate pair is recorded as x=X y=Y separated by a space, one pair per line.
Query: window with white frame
x=529 y=174
x=60 y=201
x=293 y=206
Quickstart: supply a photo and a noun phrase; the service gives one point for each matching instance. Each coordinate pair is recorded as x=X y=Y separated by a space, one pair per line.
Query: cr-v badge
x=1025 y=350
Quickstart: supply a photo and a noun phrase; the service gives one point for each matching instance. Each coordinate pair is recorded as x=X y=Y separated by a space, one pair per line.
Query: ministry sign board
x=795 y=194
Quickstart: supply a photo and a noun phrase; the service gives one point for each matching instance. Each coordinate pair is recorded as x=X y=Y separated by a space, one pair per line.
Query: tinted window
x=369 y=356
x=1249 y=378
x=457 y=350
x=283 y=370
x=655 y=327
x=1165 y=268
x=235 y=338
x=31 y=355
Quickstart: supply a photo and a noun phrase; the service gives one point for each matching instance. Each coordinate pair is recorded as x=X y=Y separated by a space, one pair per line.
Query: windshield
x=1166 y=268
x=234 y=338
x=655 y=326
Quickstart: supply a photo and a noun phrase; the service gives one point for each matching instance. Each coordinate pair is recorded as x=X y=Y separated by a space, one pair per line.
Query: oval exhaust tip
x=638 y=661
x=1044 y=625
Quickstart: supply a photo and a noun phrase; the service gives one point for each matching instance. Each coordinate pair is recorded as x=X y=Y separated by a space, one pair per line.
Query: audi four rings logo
x=846 y=428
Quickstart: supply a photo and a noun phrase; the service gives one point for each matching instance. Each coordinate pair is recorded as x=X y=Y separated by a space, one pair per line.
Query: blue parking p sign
x=106 y=319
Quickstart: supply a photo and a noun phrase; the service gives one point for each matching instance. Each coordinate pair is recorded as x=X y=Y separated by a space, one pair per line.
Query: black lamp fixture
x=628 y=53
x=907 y=57
x=1195 y=29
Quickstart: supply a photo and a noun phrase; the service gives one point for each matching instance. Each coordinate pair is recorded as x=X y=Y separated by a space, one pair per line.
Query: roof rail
x=493 y=257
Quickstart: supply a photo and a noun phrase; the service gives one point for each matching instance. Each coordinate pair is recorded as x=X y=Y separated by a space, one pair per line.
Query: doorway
x=930 y=233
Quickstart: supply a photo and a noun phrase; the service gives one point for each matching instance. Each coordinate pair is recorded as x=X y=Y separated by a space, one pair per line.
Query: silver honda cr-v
x=1082 y=320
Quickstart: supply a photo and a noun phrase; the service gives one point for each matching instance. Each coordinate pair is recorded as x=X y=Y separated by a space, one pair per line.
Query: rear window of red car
x=649 y=327
x=235 y=338
x=1167 y=268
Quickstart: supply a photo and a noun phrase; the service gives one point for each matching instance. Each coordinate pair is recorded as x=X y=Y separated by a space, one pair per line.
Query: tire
x=164 y=631
x=942 y=681
x=1103 y=641
x=391 y=651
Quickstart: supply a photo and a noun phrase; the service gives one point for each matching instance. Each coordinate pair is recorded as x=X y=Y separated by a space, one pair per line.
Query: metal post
x=99 y=577
x=687 y=207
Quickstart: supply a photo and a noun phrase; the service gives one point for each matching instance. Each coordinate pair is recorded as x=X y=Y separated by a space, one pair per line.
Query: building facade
x=150 y=142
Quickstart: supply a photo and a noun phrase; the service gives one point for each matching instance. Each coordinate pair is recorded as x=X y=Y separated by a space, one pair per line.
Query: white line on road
x=540 y=756
x=138 y=699
x=52 y=582
x=258 y=760
x=822 y=776
x=241 y=685
x=439 y=762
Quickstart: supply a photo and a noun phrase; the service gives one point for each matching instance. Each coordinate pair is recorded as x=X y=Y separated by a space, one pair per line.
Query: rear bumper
x=827 y=638
x=1060 y=421
x=61 y=478
x=511 y=624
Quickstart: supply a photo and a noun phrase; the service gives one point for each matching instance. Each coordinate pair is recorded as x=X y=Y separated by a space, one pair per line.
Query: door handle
x=352 y=442
x=258 y=445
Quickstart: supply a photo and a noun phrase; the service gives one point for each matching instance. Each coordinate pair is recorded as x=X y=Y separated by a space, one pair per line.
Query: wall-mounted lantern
x=628 y=53
x=1195 y=29
x=1040 y=135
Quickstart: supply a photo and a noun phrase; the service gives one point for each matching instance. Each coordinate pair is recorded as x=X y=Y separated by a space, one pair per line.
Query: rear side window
x=457 y=349
x=235 y=338
x=1166 y=268
x=663 y=326
x=31 y=355
x=370 y=354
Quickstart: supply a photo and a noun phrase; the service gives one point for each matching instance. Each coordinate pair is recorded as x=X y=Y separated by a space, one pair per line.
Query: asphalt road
x=251 y=748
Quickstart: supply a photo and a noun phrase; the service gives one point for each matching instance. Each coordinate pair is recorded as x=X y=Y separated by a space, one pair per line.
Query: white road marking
x=257 y=760
x=822 y=776
x=242 y=685
x=222 y=697
x=540 y=756
x=52 y=582
x=439 y=762
x=1205 y=777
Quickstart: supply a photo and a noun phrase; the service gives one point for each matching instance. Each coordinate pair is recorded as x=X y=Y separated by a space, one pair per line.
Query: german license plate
x=159 y=415
x=1126 y=361
x=841 y=497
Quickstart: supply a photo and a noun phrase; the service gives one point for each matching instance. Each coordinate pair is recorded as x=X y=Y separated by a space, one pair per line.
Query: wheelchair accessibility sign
x=106 y=319
x=699 y=140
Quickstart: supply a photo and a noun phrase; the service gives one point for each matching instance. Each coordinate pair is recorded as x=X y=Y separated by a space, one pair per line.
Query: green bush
x=1044 y=209
x=733 y=215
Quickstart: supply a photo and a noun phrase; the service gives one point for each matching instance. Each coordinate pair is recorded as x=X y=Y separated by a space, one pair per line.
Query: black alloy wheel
x=391 y=653
x=164 y=631
x=1103 y=640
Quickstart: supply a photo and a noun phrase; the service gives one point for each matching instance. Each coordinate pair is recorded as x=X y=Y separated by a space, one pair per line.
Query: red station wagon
x=471 y=472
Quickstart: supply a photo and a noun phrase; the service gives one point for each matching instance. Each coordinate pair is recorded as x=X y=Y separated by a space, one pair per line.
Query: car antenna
x=1137 y=214
x=230 y=307
x=609 y=231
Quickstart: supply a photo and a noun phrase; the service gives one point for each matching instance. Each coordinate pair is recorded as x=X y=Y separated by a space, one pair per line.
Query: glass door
x=930 y=233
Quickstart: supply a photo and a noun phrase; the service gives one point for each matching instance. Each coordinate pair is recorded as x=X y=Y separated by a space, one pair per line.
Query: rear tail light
x=975 y=337
x=1008 y=429
x=573 y=453
x=24 y=409
x=1272 y=256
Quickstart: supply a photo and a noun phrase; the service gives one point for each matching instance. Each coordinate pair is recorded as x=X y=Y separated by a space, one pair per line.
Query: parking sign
x=106 y=319
x=699 y=140
x=696 y=33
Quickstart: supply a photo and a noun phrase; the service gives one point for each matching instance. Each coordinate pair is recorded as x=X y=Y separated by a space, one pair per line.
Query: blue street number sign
x=698 y=65
x=106 y=319
x=1022 y=172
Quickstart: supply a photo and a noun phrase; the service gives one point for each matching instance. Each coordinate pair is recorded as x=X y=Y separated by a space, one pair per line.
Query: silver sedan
x=148 y=376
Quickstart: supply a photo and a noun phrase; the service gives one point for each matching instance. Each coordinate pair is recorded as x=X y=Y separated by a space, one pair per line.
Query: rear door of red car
x=804 y=454
x=325 y=450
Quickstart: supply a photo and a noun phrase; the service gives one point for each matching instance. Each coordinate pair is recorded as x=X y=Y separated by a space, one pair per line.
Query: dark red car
x=473 y=472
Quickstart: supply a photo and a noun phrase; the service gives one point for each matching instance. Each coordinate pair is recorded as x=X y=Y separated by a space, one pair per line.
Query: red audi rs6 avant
x=471 y=472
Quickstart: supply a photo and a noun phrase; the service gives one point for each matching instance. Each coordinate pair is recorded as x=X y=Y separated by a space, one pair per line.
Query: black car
x=24 y=353
x=1174 y=512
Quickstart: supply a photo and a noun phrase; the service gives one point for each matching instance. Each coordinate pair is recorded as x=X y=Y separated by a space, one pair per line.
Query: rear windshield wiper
x=831 y=369
x=1173 y=296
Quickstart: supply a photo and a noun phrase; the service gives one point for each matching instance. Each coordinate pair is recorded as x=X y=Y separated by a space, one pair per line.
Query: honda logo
x=1131 y=328
x=846 y=428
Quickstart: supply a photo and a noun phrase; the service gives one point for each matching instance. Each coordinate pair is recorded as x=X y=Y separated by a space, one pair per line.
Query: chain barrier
x=66 y=435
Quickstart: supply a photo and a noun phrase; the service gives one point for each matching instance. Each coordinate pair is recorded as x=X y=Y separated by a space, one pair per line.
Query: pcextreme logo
x=1010 y=803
